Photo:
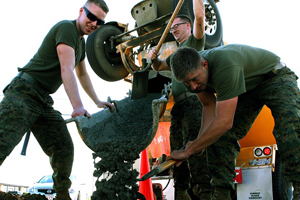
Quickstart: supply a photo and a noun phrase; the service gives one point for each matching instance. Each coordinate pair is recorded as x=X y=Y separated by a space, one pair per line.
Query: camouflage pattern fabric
x=221 y=194
x=281 y=94
x=21 y=109
x=185 y=126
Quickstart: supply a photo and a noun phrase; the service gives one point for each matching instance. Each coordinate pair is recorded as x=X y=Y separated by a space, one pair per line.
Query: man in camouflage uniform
x=233 y=83
x=185 y=114
x=28 y=105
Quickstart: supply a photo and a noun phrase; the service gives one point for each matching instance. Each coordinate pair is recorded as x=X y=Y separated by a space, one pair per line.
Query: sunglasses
x=92 y=17
x=176 y=26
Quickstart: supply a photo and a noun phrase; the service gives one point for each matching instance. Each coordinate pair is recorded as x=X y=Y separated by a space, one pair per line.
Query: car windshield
x=48 y=179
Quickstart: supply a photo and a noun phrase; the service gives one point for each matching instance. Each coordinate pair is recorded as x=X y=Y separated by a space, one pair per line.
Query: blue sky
x=269 y=24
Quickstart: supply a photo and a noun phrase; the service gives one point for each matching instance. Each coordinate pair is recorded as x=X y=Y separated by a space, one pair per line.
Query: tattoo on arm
x=201 y=28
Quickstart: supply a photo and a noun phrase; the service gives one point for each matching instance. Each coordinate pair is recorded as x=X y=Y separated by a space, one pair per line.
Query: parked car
x=45 y=187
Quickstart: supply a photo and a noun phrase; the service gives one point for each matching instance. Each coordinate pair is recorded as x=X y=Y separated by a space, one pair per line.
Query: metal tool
x=162 y=167
x=25 y=144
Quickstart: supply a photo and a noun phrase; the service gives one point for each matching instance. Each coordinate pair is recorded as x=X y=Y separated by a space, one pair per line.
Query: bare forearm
x=87 y=85
x=222 y=122
x=156 y=64
x=199 y=12
x=208 y=116
x=199 y=9
x=71 y=89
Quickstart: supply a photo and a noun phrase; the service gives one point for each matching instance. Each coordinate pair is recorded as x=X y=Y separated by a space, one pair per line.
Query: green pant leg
x=19 y=108
x=181 y=174
x=53 y=136
x=186 y=123
x=221 y=161
x=191 y=127
x=282 y=96
x=199 y=169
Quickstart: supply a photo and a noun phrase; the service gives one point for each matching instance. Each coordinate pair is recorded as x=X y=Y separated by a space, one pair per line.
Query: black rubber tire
x=211 y=41
x=104 y=60
x=280 y=187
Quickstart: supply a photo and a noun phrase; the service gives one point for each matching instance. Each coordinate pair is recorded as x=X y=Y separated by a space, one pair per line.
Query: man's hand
x=153 y=54
x=103 y=104
x=80 y=112
x=179 y=155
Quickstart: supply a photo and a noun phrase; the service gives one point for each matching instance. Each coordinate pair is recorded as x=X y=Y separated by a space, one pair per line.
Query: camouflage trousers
x=281 y=94
x=23 y=108
x=185 y=126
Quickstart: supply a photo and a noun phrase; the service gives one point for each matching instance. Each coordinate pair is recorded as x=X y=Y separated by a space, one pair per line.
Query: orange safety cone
x=145 y=186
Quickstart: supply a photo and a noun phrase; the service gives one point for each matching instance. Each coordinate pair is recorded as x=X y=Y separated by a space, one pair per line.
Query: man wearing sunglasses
x=27 y=104
x=187 y=107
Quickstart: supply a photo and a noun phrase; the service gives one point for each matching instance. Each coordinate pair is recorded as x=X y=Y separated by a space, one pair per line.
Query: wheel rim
x=210 y=19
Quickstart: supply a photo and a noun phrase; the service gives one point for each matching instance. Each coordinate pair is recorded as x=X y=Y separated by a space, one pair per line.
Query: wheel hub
x=210 y=19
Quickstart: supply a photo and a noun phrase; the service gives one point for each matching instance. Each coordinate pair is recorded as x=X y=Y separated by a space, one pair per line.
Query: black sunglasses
x=92 y=17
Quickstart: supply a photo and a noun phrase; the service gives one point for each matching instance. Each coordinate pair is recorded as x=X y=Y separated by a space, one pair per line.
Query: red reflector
x=267 y=151
x=239 y=177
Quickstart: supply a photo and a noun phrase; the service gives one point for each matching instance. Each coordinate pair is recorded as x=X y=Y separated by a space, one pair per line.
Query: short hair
x=184 y=18
x=183 y=61
x=100 y=3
